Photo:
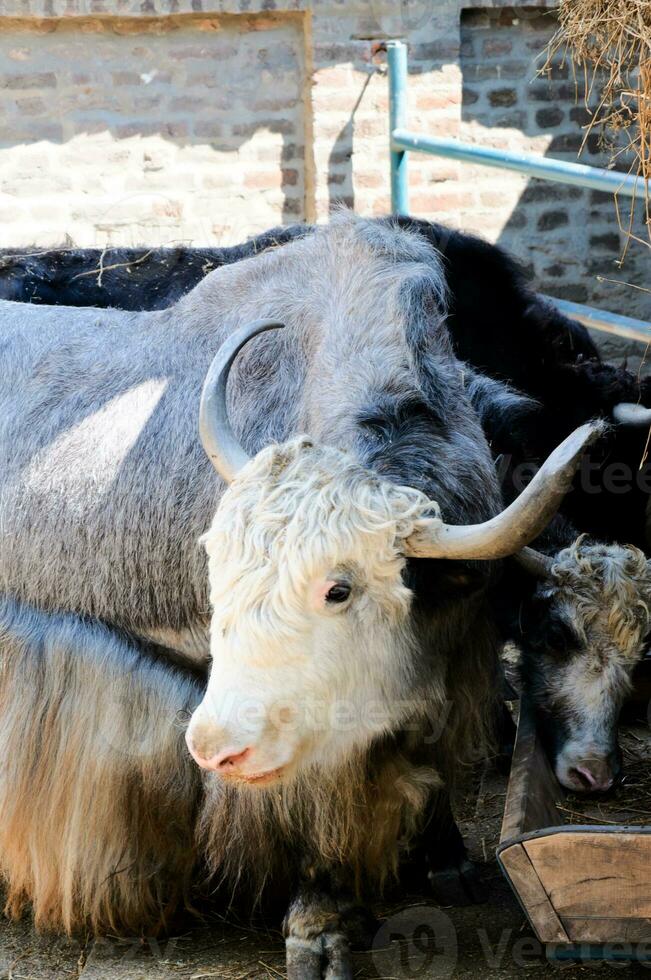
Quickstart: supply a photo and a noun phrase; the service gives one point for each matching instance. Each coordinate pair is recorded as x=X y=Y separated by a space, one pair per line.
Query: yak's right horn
x=522 y=521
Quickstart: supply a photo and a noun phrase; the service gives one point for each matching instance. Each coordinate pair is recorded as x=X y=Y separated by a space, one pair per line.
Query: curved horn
x=628 y=413
x=535 y=562
x=522 y=521
x=215 y=432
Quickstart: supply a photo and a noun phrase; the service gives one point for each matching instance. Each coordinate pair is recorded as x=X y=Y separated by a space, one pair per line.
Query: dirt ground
x=416 y=939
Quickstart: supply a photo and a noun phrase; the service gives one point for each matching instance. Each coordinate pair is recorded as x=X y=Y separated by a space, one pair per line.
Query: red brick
x=438 y=100
x=371 y=127
x=275 y=105
x=438 y=201
x=496 y=46
x=44 y=79
x=335 y=78
x=371 y=180
x=263 y=181
x=325 y=99
x=289 y=176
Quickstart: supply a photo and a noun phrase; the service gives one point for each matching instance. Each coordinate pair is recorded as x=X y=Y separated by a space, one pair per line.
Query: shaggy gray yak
x=347 y=572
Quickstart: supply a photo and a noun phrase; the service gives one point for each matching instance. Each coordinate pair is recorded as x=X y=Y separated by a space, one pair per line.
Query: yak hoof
x=339 y=964
x=327 y=957
x=461 y=885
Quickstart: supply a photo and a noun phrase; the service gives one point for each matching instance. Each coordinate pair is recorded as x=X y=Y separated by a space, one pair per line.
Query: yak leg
x=320 y=925
x=453 y=877
x=97 y=794
x=439 y=855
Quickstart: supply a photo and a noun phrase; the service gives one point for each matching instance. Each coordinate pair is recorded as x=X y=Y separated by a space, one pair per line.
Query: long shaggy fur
x=358 y=816
x=97 y=795
x=294 y=509
x=583 y=633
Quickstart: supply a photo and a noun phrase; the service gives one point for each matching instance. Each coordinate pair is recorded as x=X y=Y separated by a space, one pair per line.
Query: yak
x=506 y=332
x=126 y=278
x=498 y=325
x=579 y=611
x=337 y=597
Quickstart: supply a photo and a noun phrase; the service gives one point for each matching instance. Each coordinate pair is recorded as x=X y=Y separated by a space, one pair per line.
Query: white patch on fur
x=102 y=440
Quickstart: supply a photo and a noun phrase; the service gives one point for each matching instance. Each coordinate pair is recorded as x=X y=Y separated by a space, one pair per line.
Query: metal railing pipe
x=548 y=168
x=397 y=63
x=613 y=323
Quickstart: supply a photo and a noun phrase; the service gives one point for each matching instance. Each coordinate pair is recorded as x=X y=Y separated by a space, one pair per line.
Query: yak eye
x=338 y=592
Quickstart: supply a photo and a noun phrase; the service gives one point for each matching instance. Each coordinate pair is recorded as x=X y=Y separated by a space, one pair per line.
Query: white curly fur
x=319 y=681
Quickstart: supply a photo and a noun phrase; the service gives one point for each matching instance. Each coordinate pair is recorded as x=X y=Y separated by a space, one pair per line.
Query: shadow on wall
x=567 y=236
x=340 y=167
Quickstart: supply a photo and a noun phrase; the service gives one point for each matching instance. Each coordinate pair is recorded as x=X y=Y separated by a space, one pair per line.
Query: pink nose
x=229 y=759
x=595 y=781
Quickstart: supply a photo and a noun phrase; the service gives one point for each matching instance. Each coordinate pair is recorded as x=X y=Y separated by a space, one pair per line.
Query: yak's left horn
x=217 y=437
x=628 y=413
x=535 y=562
x=521 y=521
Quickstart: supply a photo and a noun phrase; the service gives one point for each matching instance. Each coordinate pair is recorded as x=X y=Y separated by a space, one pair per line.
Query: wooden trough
x=584 y=888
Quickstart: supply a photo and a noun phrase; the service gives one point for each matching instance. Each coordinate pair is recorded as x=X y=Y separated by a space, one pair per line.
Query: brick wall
x=131 y=121
x=151 y=130
x=567 y=236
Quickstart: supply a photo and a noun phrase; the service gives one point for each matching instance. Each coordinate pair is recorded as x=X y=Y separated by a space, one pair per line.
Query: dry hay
x=611 y=42
x=630 y=802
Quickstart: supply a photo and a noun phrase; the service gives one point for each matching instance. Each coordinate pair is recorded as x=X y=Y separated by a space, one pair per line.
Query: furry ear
x=505 y=414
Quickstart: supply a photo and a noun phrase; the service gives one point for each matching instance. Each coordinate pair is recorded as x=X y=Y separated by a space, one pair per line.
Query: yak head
x=582 y=634
x=313 y=652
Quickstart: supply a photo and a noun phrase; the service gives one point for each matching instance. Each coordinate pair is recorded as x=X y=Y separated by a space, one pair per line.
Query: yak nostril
x=229 y=758
x=203 y=752
x=590 y=782
x=585 y=777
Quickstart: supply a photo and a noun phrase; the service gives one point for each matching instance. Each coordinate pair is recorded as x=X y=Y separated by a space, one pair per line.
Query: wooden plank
x=595 y=875
x=533 y=789
x=576 y=885
x=531 y=893
x=612 y=930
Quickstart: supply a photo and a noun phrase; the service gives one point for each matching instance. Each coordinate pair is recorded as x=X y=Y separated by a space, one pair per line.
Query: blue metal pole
x=397 y=64
x=526 y=163
x=622 y=326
